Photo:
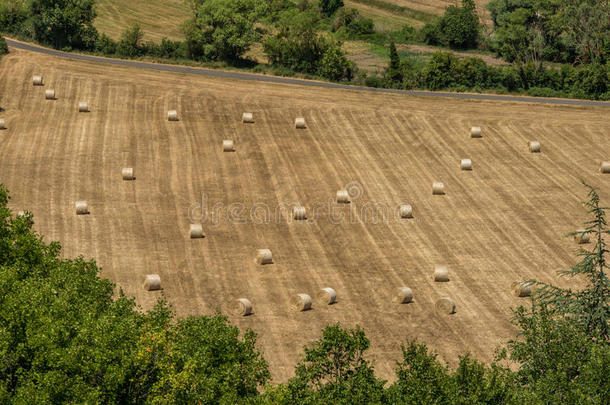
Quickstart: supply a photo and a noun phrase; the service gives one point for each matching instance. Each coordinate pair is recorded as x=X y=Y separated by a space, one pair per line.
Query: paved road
x=300 y=82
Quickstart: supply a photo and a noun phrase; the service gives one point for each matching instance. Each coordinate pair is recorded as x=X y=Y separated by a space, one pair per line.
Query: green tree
x=394 y=74
x=335 y=66
x=223 y=29
x=130 y=43
x=333 y=370
x=329 y=7
x=591 y=305
x=460 y=27
x=64 y=338
x=63 y=23
x=439 y=71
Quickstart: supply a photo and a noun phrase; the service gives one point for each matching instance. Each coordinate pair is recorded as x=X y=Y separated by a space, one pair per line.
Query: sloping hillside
x=501 y=222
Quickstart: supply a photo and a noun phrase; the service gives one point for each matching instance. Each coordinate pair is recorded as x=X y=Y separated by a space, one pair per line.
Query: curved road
x=300 y=82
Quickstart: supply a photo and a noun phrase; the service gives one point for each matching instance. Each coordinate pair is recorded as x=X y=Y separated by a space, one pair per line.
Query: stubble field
x=501 y=222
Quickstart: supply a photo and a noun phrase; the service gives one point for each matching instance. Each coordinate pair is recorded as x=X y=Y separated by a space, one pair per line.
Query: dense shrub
x=329 y=7
x=458 y=28
x=129 y=45
x=354 y=24
x=3 y=46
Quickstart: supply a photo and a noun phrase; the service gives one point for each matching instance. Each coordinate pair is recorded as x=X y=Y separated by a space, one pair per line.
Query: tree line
x=555 y=48
x=67 y=337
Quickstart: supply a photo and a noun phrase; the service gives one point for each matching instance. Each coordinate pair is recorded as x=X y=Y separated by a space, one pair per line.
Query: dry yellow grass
x=157 y=18
x=505 y=221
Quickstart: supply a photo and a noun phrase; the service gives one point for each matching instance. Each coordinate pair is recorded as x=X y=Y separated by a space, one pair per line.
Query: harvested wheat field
x=502 y=222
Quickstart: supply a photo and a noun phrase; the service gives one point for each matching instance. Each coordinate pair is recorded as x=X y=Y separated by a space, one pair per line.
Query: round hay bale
x=263 y=256
x=83 y=107
x=343 y=197
x=152 y=282
x=521 y=289
x=582 y=237
x=326 y=296
x=37 y=80
x=534 y=146
x=403 y=295
x=445 y=306
x=241 y=307
x=475 y=132
x=301 y=302
x=406 y=211
x=127 y=173
x=82 y=208
x=438 y=189
x=247 y=118
x=299 y=123
x=196 y=231
x=172 y=115
x=49 y=94
x=299 y=213
x=2 y=123
x=466 y=164
x=441 y=274
x=227 y=146
x=605 y=167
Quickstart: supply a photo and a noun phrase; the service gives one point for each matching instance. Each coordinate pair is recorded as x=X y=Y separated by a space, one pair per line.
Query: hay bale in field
x=534 y=146
x=445 y=306
x=301 y=302
x=49 y=94
x=228 y=146
x=299 y=123
x=83 y=107
x=326 y=296
x=466 y=164
x=441 y=274
x=241 y=307
x=263 y=256
x=438 y=189
x=127 y=173
x=581 y=237
x=37 y=80
x=299 y=213
x=82 y=208
x=406 y=211
x=2 y=123
x=521 y=289
x=403 y=295
x=152 y=282
x=475 y=132
x=172 y=115
x=343 y=197
x=196 y=231
x=247 y=118
x=605 y=167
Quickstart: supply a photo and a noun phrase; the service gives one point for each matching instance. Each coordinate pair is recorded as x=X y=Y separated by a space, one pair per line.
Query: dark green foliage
x=3 y=46
x=329 y=7
x=13 y=14
x=223 y=29
x=65 y=338
x=394 y=73
x=63 y=23
x=458 y=28
x=105 y=45
x=354 y=24
x=129 y=45
x=298 y=46
x=333 y=370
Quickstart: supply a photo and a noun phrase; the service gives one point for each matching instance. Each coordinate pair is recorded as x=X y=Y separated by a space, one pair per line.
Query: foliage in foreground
x=64 y=337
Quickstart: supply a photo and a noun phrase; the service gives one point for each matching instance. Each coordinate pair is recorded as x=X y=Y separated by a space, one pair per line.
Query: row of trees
x=66 y=336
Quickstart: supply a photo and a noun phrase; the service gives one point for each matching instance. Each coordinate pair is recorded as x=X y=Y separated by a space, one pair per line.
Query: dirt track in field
x=501 y=222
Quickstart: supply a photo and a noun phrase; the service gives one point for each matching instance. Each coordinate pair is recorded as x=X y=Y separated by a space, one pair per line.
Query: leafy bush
x=329 y=7
x=335 y=66
x=354 y=24
x=105 y=45
x=3 y=46
x=129 y=45
x=458 y=28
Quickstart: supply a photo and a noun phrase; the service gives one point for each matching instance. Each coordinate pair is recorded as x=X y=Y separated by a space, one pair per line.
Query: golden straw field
x=503 y=221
